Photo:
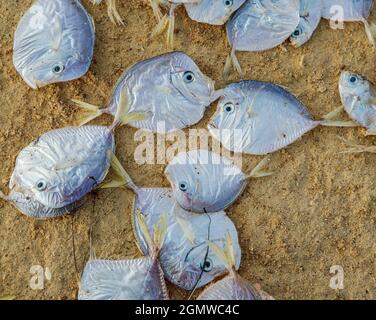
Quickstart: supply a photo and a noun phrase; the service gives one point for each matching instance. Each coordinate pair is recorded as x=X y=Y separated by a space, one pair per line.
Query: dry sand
x=316 y=211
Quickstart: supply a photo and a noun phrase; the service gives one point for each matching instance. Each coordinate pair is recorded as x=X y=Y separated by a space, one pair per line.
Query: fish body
x=259 y=118
x=54 y=42
x=358 y=98
x=138 y=279
x=203 y=181
x=348 y=10
x=185 y=257
x=262 y=24
x=310 y=16
x=55 y=172
x=170 y=88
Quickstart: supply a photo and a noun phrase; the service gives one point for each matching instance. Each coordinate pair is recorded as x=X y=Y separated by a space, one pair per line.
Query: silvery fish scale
x=259 y=118
x=58 y=169
x=348 y=10
x=54 y=42
x=203 y=181
x=214 y=12
x=183 y=253
x=358 y=98
x=138 y=279
x=158 y=87
x=262 y=24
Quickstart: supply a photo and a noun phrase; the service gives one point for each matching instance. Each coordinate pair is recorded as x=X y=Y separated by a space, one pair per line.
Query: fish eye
x=41 y=185
x=207 y=266
x=228 y=3
x=353 y=79
x=183 y=186
x=58 y=68
x=229 y=108
x=188 y=77
x=296 y=33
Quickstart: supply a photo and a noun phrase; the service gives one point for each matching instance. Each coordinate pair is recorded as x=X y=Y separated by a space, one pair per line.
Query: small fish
x=54 y=173
x=310 y=16
x=358 y=98
x=260 y=25
x=214 y=12
x=204 y=181
x=185 y=257
x=233 y=286
x=54 y=42
x=260 y=117
x=351 y=10
x=112 y=11
x=170 y=88
x=138 y=279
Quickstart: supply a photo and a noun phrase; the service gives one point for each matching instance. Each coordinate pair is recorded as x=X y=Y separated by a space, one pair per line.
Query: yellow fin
x=258 y=172
x=144 y=230
x=160 y=232
x=186 y=229
x=91 y=112
x=113 y=13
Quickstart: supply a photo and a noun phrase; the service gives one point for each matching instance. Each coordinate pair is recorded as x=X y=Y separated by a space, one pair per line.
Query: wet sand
x=316 y=211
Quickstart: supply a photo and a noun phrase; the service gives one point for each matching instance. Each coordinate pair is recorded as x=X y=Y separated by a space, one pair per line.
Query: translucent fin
x=333 y=114
x=171 y=27
x=258 y=172
x=91 y=112
x=156 y=10
x=227 y=254
x=113 y=13
x=341 y=124
x=3 y=196
x=122 y=178
x=371 y=32
x=188 y=233
x=161 y=26
x=356 y=148
x=232 y=59
x=160 y=232
x=144 y=230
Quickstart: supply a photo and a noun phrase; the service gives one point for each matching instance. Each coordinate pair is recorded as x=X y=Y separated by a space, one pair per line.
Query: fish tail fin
x=356 y=148
x=371 y=32
x=91 y=112
x=232 y=59
x=330 y=122
x=113 y=13
x=122 y=178
x=3 y=196
x=258 y=171
x=122 y=116
x=227 y=254
x=161 y=26
x=156 y=10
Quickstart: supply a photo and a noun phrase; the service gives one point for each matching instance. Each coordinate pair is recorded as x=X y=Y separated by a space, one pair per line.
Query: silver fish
x=358 y=98
x=351 y=10
x=260 y=117
x=137 y=279
x=54 y=42
x=204 y=181
x=233 y=286
x=260 y=25
x=54 y=173
x=186 y=259
x=310 y=16
x=112 y=11
x=214 y=12
x=170 y=88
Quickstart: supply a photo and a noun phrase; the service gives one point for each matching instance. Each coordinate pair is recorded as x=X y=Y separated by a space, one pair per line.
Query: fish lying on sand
x=258 y=118
x=204 y=181
x=54 y=42
x=170 y=88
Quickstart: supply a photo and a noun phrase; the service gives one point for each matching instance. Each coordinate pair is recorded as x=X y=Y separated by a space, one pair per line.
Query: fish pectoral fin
x=258 y=171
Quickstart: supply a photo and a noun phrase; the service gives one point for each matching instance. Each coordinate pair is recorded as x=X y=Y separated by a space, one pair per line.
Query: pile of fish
x=183 y=231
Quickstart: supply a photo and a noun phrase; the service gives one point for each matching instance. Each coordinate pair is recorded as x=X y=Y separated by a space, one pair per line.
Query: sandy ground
x=316 y=211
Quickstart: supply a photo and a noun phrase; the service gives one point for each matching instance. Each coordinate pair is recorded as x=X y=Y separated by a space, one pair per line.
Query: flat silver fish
x=204 y=181
x=170 y=88
x=260 y=25
x=358 y=97
x=233 y=286
x=54 y=42
x=112 y=11
x=186 y=259
x=351 y=10
x=137 y=279
x=260 y=117
x=214 y=12
x=54 y=173
x=310 y=16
